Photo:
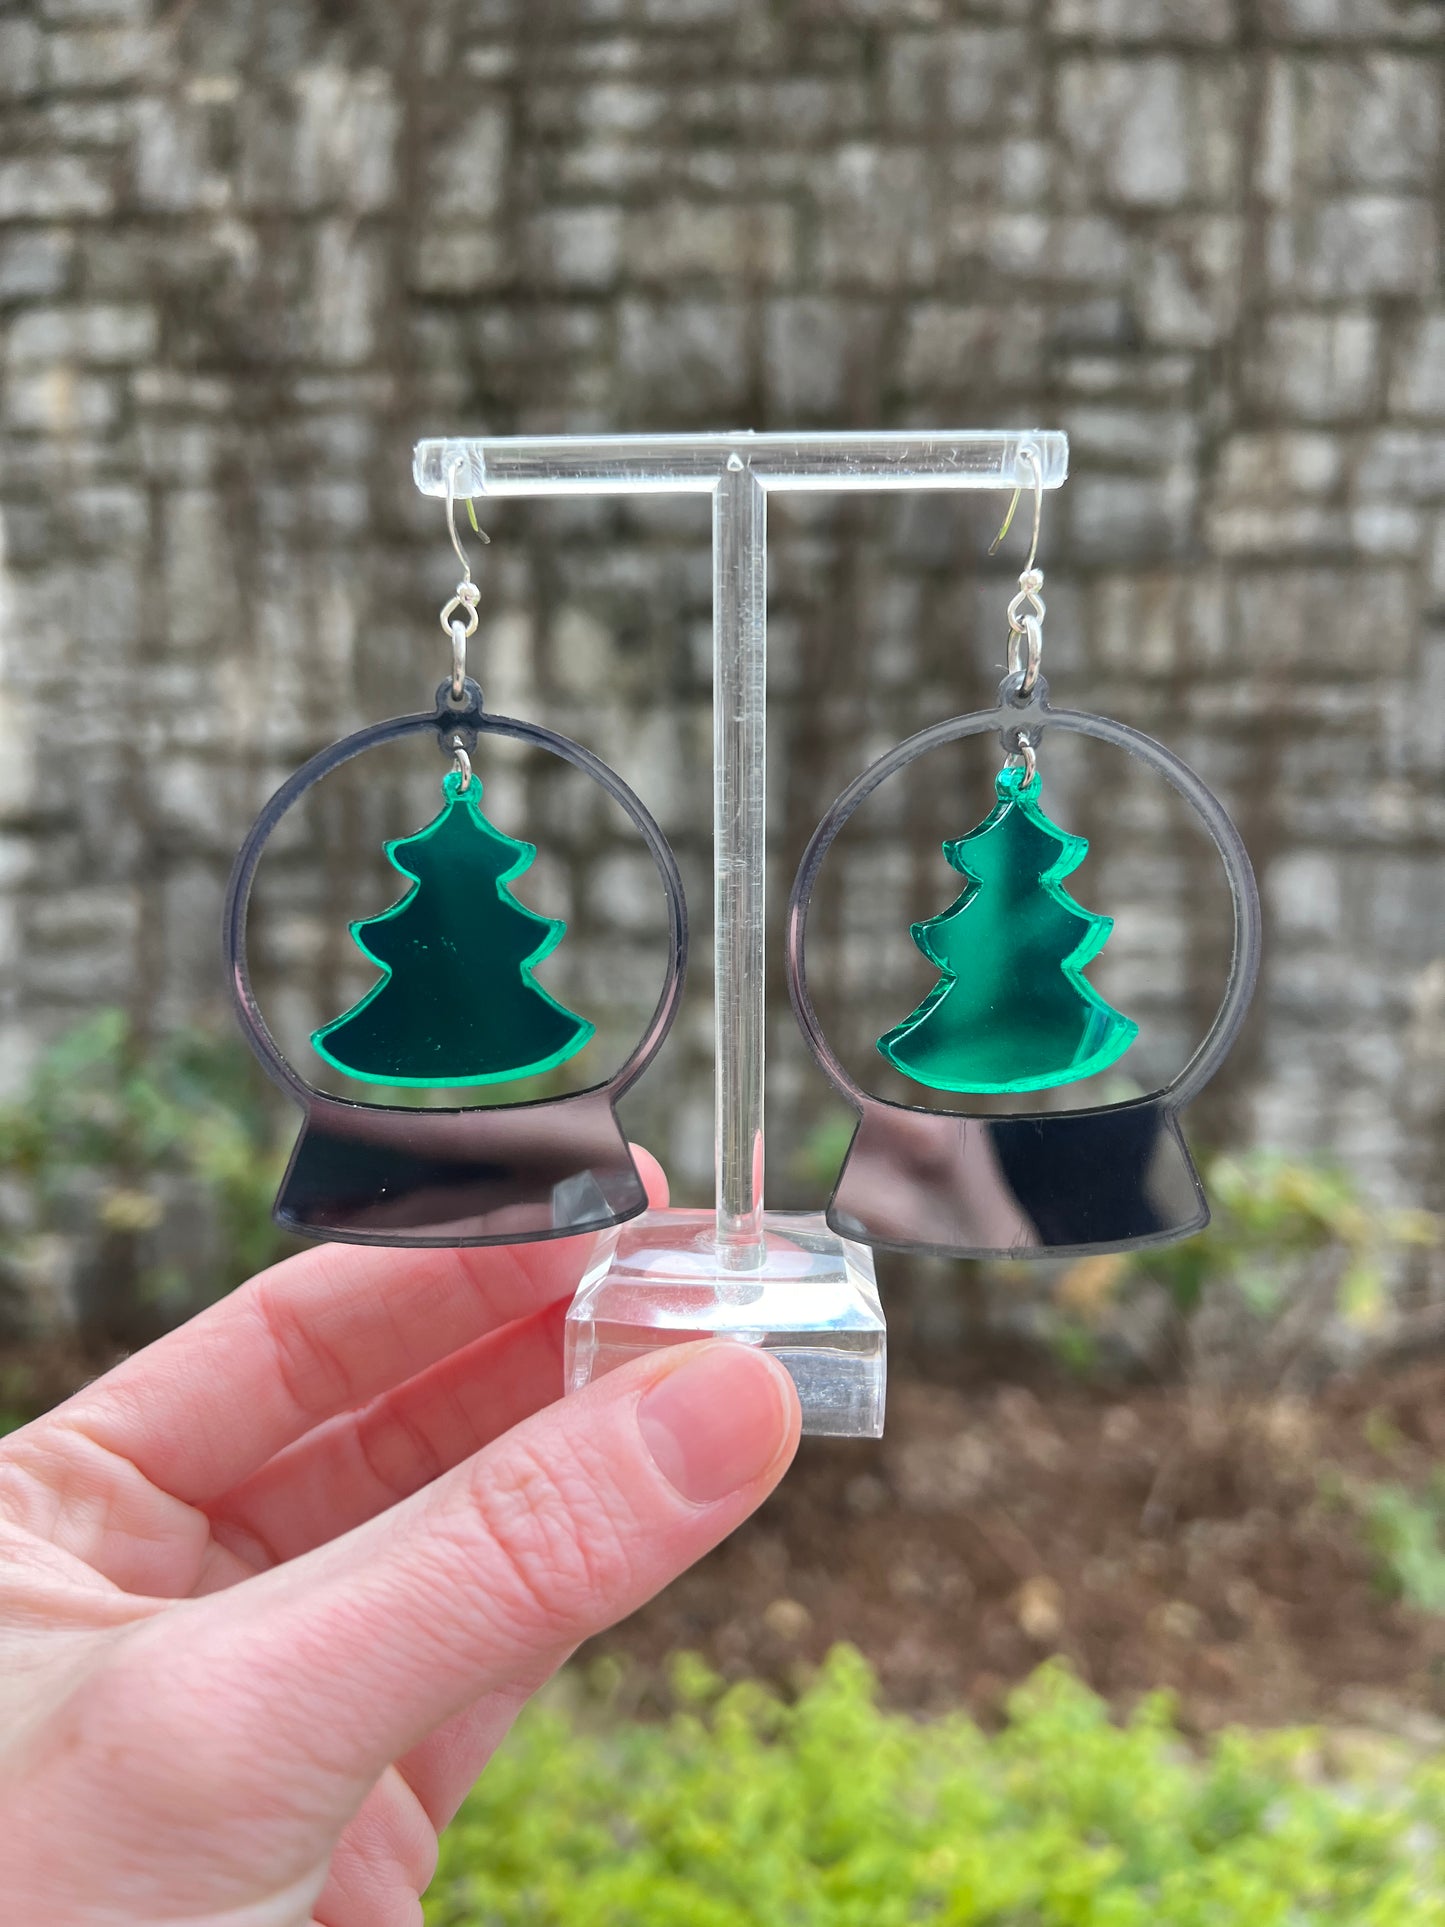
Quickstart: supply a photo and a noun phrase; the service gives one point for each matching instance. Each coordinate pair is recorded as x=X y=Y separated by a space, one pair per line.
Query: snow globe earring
x=1013 y=1011
x=456 y=1006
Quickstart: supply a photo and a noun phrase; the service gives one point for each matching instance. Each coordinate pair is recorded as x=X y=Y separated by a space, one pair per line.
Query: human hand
x=273 y=1589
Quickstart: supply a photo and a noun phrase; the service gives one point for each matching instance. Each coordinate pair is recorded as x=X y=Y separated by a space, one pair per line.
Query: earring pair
x=457 y=1005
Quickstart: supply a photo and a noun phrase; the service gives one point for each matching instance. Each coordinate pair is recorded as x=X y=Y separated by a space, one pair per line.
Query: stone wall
x=248 y=252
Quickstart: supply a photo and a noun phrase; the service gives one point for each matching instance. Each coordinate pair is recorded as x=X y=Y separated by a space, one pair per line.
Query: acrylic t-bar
x=783 y=1281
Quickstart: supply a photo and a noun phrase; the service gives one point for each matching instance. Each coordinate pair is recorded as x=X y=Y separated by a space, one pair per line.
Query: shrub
x=114 y=1136
x=1294 y=1260
x=1405 y=1531
x=740 y=1811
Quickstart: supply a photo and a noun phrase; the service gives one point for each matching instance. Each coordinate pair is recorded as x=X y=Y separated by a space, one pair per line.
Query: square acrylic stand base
x=808 y=1297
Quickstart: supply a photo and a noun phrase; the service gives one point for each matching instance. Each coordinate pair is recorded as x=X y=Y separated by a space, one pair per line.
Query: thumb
x=490 y=1576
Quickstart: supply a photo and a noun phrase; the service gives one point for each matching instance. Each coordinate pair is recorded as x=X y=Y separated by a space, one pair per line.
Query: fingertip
x=792 y=1407
x=723 y=1421
x=653 y=1176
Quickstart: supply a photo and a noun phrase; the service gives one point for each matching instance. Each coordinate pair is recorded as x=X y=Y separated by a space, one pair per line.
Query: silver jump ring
x=467 y=597
x=1025 y=752
x=1028 y=595
x=1023 y=662
x=461 y=764
x=459 y=636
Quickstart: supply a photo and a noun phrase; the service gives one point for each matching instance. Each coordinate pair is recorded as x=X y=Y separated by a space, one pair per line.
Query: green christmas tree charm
x=1012 y=1011
x=457 y=1002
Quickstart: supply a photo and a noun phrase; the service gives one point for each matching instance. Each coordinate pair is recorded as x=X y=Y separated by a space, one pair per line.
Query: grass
x=739 y=1809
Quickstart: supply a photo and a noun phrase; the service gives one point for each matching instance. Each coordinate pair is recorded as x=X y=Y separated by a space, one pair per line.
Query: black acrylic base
x=373 y=1174
x=1065 y=1182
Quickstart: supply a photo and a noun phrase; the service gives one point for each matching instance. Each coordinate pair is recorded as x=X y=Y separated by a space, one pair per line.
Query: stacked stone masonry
x=248 y=252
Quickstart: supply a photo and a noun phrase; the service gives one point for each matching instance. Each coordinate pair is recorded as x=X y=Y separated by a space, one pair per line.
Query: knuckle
x=559 y=1549
x=397 y=1449
x=24 y=1491
x=313 y=1377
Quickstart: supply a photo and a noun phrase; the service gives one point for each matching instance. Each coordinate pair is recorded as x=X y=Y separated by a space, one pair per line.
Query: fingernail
x=718 y=1421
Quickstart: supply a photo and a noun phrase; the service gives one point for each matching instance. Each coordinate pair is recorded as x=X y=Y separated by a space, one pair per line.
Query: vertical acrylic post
x=740 y=614
x=780 y=1280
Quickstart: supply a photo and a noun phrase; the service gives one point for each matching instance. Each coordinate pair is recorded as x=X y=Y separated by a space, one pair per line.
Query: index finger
x=206 y=1406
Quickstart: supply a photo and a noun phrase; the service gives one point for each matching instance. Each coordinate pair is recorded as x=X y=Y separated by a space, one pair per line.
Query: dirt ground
x=1153 y=1539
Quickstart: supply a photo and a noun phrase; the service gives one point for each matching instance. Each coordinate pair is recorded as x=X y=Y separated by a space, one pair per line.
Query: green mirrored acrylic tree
x=1012 y=1011
x=457 y=1002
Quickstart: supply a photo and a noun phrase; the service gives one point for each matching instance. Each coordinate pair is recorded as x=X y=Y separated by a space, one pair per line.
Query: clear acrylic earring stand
x=779 y=1279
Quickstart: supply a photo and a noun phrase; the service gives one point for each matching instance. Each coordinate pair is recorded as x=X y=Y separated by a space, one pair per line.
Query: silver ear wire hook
x=1026 y=610
x=1029 y=457
x=453 y=470
x=468 y=595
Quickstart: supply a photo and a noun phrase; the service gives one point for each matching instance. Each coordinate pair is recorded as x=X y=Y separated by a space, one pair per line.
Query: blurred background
x=250 y=252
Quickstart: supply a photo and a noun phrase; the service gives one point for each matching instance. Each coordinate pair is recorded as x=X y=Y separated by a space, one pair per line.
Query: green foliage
x=1405 y=1530
x=108 y=1125
x=819 y=1154
x=1075 y=1348
x=1272 y=1218
x=832 y=1813
x=1293 y=1244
